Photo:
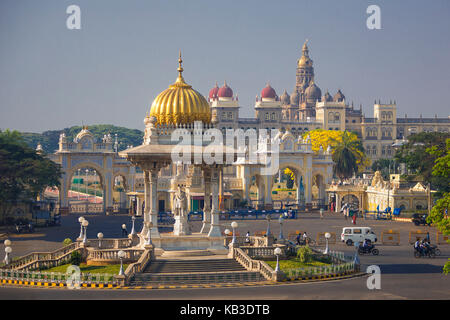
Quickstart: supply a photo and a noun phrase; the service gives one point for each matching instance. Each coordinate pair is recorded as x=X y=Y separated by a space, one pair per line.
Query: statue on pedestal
x=181 y=226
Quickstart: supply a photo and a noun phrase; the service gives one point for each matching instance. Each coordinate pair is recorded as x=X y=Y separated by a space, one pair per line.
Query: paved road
x=403 y=276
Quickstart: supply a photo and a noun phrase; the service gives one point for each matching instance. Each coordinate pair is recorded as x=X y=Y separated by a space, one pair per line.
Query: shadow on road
x=409 y=268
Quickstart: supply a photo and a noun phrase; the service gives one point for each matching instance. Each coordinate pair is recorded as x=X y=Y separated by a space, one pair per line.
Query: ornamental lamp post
x=8 y=250
x=234 y=225
x=100 y=237
x=85 y=224
x=80 y=220
x=277 y=252
x=327 y=236
x=7 y=243
x=121 y=254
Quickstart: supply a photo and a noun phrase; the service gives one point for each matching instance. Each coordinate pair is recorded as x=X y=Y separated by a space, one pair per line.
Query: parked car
x=351 y=235
x=420 y=219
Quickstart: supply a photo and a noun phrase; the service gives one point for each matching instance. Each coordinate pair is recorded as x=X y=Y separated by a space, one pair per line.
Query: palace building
x=306 y=109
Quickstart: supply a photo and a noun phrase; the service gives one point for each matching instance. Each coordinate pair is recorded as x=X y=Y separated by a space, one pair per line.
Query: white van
x=351 y=235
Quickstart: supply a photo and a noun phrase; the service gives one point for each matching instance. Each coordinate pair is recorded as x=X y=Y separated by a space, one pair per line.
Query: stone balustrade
x=112 y=255
x=138 y=266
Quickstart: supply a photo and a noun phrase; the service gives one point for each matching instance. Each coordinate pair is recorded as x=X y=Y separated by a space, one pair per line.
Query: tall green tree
x=347 y=153
x=419 y=162
x=23 y=172
x=385 y=166
x=439 y=212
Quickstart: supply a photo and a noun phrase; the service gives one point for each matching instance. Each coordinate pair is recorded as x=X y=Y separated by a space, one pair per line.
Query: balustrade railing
x=113 y=254
x=30 y=261
x=138 y=266
x=56 y=277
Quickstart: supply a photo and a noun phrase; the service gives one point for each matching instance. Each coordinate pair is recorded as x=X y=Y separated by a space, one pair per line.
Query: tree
x=346 y=154
x=420 y=162
x=325 y=138
x=439 y=212
x=385 y=166
x=23 y=172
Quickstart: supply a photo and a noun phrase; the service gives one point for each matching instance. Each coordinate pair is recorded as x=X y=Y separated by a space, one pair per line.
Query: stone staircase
x=190 y=271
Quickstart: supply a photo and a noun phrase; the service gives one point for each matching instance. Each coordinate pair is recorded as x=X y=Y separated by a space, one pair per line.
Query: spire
x=180 y=70
x=305 y=50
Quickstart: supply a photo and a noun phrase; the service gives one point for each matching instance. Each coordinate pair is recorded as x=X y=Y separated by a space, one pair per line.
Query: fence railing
x=56 y=277
x=47 y=259
x=110 y=243
x=139 y=266
x=247 y=241
x=113 y=254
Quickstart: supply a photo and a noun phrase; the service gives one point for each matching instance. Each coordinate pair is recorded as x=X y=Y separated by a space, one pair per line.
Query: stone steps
x=199 y=277
x=171 y=271
x=190 y=266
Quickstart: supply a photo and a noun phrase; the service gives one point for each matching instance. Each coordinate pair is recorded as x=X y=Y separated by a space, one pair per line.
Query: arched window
x=337 y=117
x=330 y=117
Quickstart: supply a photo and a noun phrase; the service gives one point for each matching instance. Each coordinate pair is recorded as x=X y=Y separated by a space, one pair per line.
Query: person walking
x=354 y=217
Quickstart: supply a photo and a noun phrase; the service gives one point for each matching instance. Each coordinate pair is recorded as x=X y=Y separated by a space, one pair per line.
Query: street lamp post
x=85 y=224
x=100 y=237
x=234 y=225
x=121 y=255
x=327 y=236
x=277 y=252
x=80 y=220
x=8 y=250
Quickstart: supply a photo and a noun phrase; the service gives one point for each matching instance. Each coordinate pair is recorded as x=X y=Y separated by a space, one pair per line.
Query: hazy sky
x=126 y=52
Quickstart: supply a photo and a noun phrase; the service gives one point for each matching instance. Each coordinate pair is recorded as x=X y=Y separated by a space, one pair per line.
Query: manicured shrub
x=67 y=241
x=75 y=258
x=305 y=254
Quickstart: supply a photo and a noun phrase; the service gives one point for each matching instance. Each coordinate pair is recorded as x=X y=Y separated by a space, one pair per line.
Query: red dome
x=225 y=91
x=268 y=92
x=213 y=92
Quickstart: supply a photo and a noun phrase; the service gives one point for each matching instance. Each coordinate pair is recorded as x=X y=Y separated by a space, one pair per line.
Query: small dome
x=338 y=97
x=213 y=92
x=285 y=98
x=225 y=91
x=295 y=98
x=268 y=92
x=327 y=97
x=313 y=92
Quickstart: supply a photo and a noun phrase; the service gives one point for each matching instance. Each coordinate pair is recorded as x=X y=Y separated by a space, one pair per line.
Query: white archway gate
x=85 y=152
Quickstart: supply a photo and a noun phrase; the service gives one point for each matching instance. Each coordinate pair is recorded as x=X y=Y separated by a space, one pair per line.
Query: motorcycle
x=370 y=249
x=424 y=253
x=22 y=227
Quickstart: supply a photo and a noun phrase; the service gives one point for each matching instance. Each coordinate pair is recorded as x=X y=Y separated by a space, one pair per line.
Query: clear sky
x=126 y=52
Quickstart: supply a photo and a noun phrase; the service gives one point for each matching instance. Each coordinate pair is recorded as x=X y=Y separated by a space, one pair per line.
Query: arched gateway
x=85 y=152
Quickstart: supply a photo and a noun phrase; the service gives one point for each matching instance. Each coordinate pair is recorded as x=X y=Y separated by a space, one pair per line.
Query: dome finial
x=180 y=68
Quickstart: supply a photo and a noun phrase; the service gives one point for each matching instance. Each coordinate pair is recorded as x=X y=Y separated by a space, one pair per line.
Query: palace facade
x=306 y=109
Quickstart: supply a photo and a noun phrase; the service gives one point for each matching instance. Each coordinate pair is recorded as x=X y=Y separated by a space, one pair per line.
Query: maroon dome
x=225 y=91
x=213 y=92
x=268 y=92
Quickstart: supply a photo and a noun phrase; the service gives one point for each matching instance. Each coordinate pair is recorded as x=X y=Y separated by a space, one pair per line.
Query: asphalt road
x=402 y=275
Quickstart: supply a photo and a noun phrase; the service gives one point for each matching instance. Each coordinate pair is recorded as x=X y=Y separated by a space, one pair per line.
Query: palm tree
x=346 y=154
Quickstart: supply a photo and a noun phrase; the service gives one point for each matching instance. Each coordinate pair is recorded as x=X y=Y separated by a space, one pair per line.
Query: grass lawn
x=295 y=264
x=112 y=269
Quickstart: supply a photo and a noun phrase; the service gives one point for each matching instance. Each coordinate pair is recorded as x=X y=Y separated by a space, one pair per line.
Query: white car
x=351 y=235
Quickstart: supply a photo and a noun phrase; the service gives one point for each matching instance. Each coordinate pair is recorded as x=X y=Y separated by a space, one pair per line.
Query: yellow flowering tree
x=325 y=138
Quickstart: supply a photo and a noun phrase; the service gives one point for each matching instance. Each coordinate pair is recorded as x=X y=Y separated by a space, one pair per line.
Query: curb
x=54 y=284
x=345 y=275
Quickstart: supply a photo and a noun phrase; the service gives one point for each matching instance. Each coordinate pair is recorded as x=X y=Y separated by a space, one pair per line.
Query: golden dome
x=180 y=104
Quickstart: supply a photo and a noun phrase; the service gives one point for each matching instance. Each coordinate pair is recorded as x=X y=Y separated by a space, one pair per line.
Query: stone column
x=268 y=205
x=308 y=186
x=153 y=213
x=215 y=227
x=63 y=200
x=147 y=201
x=207 y=199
